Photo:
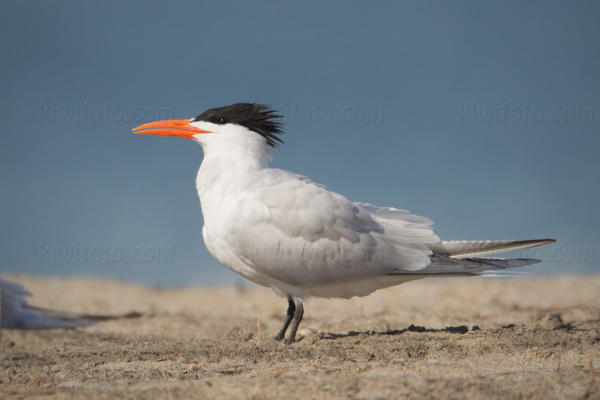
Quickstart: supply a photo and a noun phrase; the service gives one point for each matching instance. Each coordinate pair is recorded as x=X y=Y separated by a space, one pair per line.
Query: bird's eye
x=218 y=120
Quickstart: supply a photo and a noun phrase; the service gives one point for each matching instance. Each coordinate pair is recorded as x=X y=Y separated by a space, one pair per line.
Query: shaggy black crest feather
x=259 y=118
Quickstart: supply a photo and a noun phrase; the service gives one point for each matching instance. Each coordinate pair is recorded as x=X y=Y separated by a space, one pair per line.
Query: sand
x=461 y=338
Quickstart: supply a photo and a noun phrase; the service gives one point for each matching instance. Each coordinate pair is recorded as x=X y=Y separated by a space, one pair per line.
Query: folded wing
x=300 y=233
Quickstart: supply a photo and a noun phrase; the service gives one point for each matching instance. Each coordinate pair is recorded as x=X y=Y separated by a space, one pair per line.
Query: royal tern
x=281 y=230
x=16 y=313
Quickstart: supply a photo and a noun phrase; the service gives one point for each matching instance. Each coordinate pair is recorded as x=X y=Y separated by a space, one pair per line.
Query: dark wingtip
x=547 y=241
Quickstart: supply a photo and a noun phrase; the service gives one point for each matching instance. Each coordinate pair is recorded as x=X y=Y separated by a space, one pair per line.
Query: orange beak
x=170 y=127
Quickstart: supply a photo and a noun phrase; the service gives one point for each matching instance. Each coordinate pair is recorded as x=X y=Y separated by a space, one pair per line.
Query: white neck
x=231 y=164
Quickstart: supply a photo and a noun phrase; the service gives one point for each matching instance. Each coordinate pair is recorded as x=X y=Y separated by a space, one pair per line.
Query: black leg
x=298 y=314
x=288 y=318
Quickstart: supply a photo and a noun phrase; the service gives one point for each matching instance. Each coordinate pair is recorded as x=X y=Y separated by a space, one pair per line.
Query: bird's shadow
x=461 y=329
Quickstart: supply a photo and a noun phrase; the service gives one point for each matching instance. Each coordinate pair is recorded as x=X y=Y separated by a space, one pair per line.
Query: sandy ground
x=509 y=338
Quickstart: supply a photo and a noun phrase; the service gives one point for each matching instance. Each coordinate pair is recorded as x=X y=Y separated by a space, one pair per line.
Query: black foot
x=298 y=314
x=290 y=314
x=295 y=311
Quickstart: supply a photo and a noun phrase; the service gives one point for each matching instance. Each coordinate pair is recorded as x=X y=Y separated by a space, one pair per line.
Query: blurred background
x=483 y=117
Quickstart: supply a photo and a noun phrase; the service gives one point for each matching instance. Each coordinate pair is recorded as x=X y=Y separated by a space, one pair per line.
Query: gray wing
x=16 y=313
x=300 y=233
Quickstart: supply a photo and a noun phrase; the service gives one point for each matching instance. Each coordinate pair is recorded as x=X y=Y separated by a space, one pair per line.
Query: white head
x=241 y=127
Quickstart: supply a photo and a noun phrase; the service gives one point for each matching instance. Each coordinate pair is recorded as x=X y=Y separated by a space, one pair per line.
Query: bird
x=17 y=313
x=281 y=230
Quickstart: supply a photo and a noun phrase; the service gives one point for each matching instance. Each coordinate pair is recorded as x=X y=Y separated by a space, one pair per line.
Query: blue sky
x=482 y=116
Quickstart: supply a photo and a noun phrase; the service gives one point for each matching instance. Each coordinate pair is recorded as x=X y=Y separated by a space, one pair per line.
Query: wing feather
x=301 y=234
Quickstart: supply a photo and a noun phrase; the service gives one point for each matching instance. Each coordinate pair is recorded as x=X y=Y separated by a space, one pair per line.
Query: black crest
x=259 y=118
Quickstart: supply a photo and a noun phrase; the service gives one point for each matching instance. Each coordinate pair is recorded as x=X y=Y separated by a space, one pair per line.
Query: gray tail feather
x=470 y=266
x=462 y=257
x=462 y=249
x=465 y=257
x=476 y=265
